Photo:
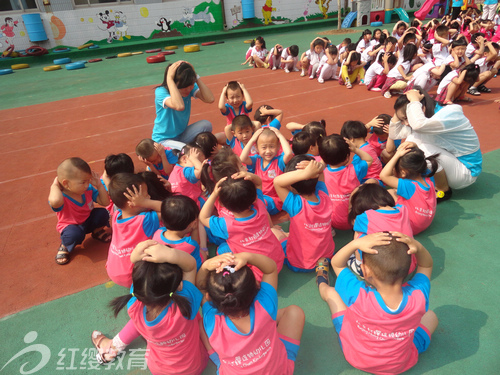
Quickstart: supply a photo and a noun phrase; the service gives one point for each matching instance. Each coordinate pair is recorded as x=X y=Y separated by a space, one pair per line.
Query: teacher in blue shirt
x=173 y=106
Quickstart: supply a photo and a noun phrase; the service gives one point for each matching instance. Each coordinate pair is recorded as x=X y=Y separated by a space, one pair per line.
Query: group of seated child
x=159 y=222
x=459 y=56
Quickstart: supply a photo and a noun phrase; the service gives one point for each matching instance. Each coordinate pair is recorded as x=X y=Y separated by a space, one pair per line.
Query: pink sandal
x=106 y=353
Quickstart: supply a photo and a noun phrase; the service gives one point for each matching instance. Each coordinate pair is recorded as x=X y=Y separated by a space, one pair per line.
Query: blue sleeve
x=161 y=93
x=232 y=142
x=355 y=159
x=361 y=223
x=171 y=158
x=360 y=168
x=226 y=110
x=95 y=192
x=218 y=227
x=193 y=295
x=292 y=204
x=255 y=159
x=209 y=312
x=281 y=162
x=188 y=172
x=151 y=223
x=321 y=186
x=58 y=209
x=194 y=90
x=268 y=298
x=275 y=124
x=246 y=108
x=420 y=282
x=103 y=184
x=260 y=195
x=348 y=286
x=406 y=188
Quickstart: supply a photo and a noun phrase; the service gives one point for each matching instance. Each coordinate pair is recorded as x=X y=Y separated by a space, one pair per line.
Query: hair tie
x=229 y=268
x=225 y=273
x=132 y=294
x=171 y=293
x=228 y=294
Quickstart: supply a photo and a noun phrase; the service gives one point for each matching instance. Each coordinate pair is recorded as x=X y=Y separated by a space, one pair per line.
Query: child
x=179 y=216
x=207 y=143
x=376 y=74
x=134 y=221
x=185 y=176
x=274 y=56
x=342 y=177
x=289 y=59
x=163 y=303
x=268 y=164
x=397 y=76
x=328 y=65
x=239 y=133
x=355 y=131
x=244 y=326
x=71 y=195
x=249 y=229
x=352 y=69
x=266 y=115
x=238 y=99
x=487 y=69
x=311 y=58
x=383 y=145
x=399 y=29
x=455 y=85
x=303 y=143
x=382 y=325
x=475 y=46
x=364 y=41
x=113 y=164
x=306 y=201
x=256 y=55
x=407 y=173
x=159 y=159
x=316 y=128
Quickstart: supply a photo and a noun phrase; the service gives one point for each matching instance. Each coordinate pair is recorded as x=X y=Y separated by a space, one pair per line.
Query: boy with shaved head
x=72 y=196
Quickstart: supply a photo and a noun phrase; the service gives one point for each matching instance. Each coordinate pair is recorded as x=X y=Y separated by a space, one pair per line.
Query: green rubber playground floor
x=55 y=337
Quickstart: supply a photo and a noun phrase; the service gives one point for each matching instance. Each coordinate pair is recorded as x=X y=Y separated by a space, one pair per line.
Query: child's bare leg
x=305 y=66
x=279 y=232
x=461 y=91
x=247 y=60
x=290 y=321
x=203 y=241
x=258 y=62
x=332 y=298
x=450 y=94
x=430 y=321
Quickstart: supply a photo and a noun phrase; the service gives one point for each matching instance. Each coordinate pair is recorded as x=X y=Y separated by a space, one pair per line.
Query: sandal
x=322 y=268
x=464 y=99
x=62 y=256
x=102 y=235
x=104 y=354
x=447 y=102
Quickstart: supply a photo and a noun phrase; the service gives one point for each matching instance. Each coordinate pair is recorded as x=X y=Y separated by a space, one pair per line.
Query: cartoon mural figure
x=164 y=24
x=8 y=30
x=267 y=11
x=323 y=7
x=121 y=25
x=110 y=25
x=190 y=18
x=234 y=12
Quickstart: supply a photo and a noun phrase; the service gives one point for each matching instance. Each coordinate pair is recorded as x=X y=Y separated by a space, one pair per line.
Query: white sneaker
x=311 y=77
x=321 y=80
x=296 y=69
x=303 y=74
x=286 y=70
x=387 y=95
x=274 y=68
x=376 y=89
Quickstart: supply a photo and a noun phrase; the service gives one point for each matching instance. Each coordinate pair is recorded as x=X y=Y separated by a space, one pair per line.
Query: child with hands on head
x=185 y=176
x=234 y=100
x=407 y=172
x=268 y=164
x=382 y=324
x=352 y=70
x=267 y=116
x=158 y=158
x=239 y=133
x=71 y=196
x=241 y=316
x=249 y=227
x=306 y=200
x=327 y=69
x=311 y=58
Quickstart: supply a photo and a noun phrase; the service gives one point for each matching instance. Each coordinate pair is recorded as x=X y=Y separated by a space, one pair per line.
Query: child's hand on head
x=138 y=253
x=411 y=242
x=375 y=122
x=145 y=161
x=350 y=143
x=57 y=183
x=95 y=180
x=403 y=149
x=218 y=262
x=159 y=148
x=313 y=169
x=135 y=196
x=242 y=174
x=155 y=252
x=167 y=185
x=194 y=154
x=366 y=243
x=217 y=186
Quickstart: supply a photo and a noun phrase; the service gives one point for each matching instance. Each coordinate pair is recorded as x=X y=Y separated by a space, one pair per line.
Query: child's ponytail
x=434 y=164
x=206 y=178
x=118 y=303
x=416 y=164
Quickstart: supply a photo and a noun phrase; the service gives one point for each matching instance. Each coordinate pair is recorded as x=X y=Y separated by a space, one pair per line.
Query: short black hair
x=294 y=50
x=178 y=212
x=234 y=85
x=237 y=195
x=258 y=116
x=120 y=163
x=301 y=142
x=304 y=187
x=241 y=122
x=369 y=197
x=334 y=149
x=119 y=184
x=353 y=129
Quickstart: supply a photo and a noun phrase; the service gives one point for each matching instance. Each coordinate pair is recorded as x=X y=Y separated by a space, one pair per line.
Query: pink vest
x=181 y=185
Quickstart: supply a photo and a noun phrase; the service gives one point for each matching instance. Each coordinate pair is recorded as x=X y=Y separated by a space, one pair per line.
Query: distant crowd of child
x=159 y=222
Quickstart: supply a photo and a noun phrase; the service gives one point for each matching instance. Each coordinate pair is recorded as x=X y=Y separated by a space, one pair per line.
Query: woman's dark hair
x=207 y=143
x=316 y=128
x=232 y=294
x=178 y=212
x=155 y=285
x=369 y=197
x=334 y=149
x=224 y=164
x=415 y=164
x=262 y=41
x=185 y=76
x=305 y=186
x=119 y=184
x=471 y=73
x=120 y=163
x=156 y=190
x=237 y=195
x=427 y=102
x=353 y=129
x=409 y=52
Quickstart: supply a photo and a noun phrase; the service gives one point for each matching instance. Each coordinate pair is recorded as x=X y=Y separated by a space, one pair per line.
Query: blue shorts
x=292 y=348
x=421 y=339
x=292 y=268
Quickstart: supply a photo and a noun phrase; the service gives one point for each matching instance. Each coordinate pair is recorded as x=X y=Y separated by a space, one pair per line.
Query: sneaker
x=286 y=70
x=274 y=68
x=295 y=69
x=347 y=82
x=483 y=88
x=303 y=74
x=473 y=91
x=321 y=80
x=376 y=89
x=322 y=268
x=354 y=265
x=442 y=196
x=387 y=95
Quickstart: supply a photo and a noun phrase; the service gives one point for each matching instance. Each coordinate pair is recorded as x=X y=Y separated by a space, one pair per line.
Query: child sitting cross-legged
x=382 y=324
x=71 y=196
x=306 y=200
